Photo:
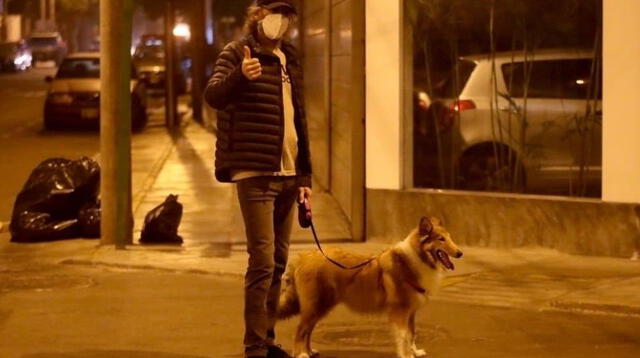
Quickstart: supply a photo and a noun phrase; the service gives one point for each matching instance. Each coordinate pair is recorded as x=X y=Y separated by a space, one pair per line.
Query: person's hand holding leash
x=304 y=193
x=251 y=67
x=304 y=207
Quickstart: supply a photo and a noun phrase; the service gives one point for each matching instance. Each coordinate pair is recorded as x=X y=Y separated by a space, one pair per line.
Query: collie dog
x=396 y=282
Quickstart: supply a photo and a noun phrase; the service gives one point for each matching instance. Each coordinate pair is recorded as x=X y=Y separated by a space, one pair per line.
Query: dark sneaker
x=277 y=352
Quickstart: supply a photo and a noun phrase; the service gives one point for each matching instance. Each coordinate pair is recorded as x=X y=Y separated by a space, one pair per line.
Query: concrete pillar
x=115 y=122
x=198 y=42
x=621 y=112
x=52 y=12
x=384 y=94
x=171 y=105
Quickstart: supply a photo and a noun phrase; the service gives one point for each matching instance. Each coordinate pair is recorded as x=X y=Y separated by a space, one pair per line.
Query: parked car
x=47 y=46
x=74 y=95
x=556 y=94
x=14 y=56
x=149 y=59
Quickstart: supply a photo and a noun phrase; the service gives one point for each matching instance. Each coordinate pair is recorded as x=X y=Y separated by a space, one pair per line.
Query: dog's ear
x=425 y=227
x=437 y=220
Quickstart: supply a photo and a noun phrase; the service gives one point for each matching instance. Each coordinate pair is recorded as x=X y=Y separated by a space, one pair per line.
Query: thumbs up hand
x=251 y=67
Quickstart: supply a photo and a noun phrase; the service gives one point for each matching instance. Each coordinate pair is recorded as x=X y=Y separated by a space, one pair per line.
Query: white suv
x=536 y=124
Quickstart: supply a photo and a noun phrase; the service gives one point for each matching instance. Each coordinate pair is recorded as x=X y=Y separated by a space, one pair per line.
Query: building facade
x=360 y=99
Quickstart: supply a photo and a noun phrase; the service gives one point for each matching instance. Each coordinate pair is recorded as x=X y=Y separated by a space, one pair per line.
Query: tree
x=72 y=15
x=153 y=8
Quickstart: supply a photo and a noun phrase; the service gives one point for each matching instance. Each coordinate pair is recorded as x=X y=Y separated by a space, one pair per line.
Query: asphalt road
x=64 y=311
x=23 y=141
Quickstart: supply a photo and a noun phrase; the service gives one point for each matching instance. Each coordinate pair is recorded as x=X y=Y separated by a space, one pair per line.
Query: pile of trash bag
x=58 y=201
x=161 y=223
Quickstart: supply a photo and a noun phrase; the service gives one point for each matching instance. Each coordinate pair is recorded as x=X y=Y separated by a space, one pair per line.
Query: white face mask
x=274 y=26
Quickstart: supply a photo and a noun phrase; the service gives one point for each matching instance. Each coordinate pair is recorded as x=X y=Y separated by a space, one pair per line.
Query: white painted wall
x=621 y=105
x=383 y=91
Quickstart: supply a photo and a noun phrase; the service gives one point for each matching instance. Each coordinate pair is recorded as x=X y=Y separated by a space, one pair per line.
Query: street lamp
x=182 y=30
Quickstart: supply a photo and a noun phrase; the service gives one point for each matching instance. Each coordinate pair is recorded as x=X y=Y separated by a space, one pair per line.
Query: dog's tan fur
x=396 y=282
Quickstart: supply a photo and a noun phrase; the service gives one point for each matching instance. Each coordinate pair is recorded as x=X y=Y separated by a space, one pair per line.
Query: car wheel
x=482 y=171
x=50 y=124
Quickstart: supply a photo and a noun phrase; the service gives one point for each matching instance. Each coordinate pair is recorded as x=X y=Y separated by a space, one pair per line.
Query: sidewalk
x=532 y=279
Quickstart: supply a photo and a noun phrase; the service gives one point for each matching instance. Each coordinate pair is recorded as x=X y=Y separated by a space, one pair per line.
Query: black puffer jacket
x=250 y=113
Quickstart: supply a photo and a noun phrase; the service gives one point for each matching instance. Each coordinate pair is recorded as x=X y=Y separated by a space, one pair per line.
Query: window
x=43 y=41
x=514 y=107
x=79 y=68
x=569 y=79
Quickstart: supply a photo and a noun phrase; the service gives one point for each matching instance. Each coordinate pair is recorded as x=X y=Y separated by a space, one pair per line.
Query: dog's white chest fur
x=429 y=278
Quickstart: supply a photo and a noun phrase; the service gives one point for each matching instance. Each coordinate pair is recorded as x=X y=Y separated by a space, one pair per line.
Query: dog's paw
x=314 y=353
x=303 y=355
x=419 y=353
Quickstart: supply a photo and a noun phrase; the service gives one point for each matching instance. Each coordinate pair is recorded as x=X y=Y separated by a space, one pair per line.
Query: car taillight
x=448 y=118
x=462 y=105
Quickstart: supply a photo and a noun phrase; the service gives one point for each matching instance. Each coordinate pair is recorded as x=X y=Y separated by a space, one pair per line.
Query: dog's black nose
x=459 y=254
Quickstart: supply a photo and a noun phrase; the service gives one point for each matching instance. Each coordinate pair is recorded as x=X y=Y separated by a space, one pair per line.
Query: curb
x=596 y=308
x=78 y=262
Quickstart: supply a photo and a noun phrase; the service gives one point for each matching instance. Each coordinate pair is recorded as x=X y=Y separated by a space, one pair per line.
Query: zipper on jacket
x=282 y=119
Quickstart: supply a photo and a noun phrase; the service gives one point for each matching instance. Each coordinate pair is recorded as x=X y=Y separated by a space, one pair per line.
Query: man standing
x=263 y=146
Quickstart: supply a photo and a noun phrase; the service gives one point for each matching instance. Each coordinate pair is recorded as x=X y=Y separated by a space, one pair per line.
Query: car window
x=43 y=41
x=449 y=88
x=83 y=68
x=79 y=68
x=570 y=79
x=155 y=52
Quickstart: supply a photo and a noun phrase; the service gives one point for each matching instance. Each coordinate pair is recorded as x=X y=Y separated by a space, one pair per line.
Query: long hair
x=254 y=15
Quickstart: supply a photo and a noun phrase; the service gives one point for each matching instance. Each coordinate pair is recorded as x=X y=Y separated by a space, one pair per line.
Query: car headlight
x=60 y=98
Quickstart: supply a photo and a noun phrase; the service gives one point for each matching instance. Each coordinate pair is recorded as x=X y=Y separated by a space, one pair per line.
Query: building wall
x=334 y=90
x=586 y=227
x=593 y=227
x=316 y=33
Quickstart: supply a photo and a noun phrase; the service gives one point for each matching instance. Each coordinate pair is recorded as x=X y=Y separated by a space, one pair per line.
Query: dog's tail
x=289 y=305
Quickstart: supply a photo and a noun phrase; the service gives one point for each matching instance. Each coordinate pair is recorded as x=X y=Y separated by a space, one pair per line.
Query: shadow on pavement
x=323 y=354
x=353 y=354
x=110 y=354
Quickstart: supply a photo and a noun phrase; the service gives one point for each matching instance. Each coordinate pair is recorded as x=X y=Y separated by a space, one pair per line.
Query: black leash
x=304 y=218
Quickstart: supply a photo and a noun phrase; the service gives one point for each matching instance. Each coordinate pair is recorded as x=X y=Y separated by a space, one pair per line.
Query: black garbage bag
x=47 y=207
x=161 y=223
x=38 y=227
x=89 y=220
